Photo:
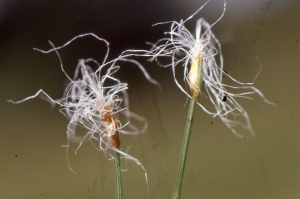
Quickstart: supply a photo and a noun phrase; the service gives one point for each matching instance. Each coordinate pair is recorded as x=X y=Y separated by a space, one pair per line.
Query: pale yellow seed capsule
x=195 y=76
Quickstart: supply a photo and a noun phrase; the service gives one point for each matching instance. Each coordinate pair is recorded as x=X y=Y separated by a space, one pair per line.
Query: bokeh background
x=33 y=162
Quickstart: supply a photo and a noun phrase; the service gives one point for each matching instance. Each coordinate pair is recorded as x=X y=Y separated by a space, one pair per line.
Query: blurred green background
x=33 y=162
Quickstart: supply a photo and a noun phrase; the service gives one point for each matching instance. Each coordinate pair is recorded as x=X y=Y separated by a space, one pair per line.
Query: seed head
x=187 y=49
x=93 y=101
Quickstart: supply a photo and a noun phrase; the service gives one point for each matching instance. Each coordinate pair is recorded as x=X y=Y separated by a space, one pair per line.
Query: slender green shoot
x=188 y=127
x=119 y=193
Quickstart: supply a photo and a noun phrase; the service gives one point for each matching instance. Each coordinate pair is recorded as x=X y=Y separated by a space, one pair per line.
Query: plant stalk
x=188 y=130
x=119 y=193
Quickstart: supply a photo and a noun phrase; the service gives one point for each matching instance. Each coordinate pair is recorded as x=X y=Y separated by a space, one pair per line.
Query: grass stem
x=119 y=194
x=187 y=134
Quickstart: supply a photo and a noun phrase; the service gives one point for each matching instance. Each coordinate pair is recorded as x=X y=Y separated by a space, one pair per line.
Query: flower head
x=188 y=50
x=93 y=101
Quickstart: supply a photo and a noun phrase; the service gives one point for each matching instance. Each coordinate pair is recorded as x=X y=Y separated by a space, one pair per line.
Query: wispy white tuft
x=183 y=48
x=90 y=97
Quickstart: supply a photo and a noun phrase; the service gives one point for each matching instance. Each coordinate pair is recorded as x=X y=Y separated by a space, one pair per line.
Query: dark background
x=220 y=165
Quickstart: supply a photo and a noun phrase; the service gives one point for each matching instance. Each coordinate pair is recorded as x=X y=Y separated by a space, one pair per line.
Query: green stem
x=184 y=149
x=187 y=135
x=119 y=194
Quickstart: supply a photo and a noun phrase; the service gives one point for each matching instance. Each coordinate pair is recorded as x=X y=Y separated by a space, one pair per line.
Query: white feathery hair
x=88 y=95
x=183 y=47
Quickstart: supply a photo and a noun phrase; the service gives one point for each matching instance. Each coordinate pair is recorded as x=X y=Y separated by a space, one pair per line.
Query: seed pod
x=195 y=76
